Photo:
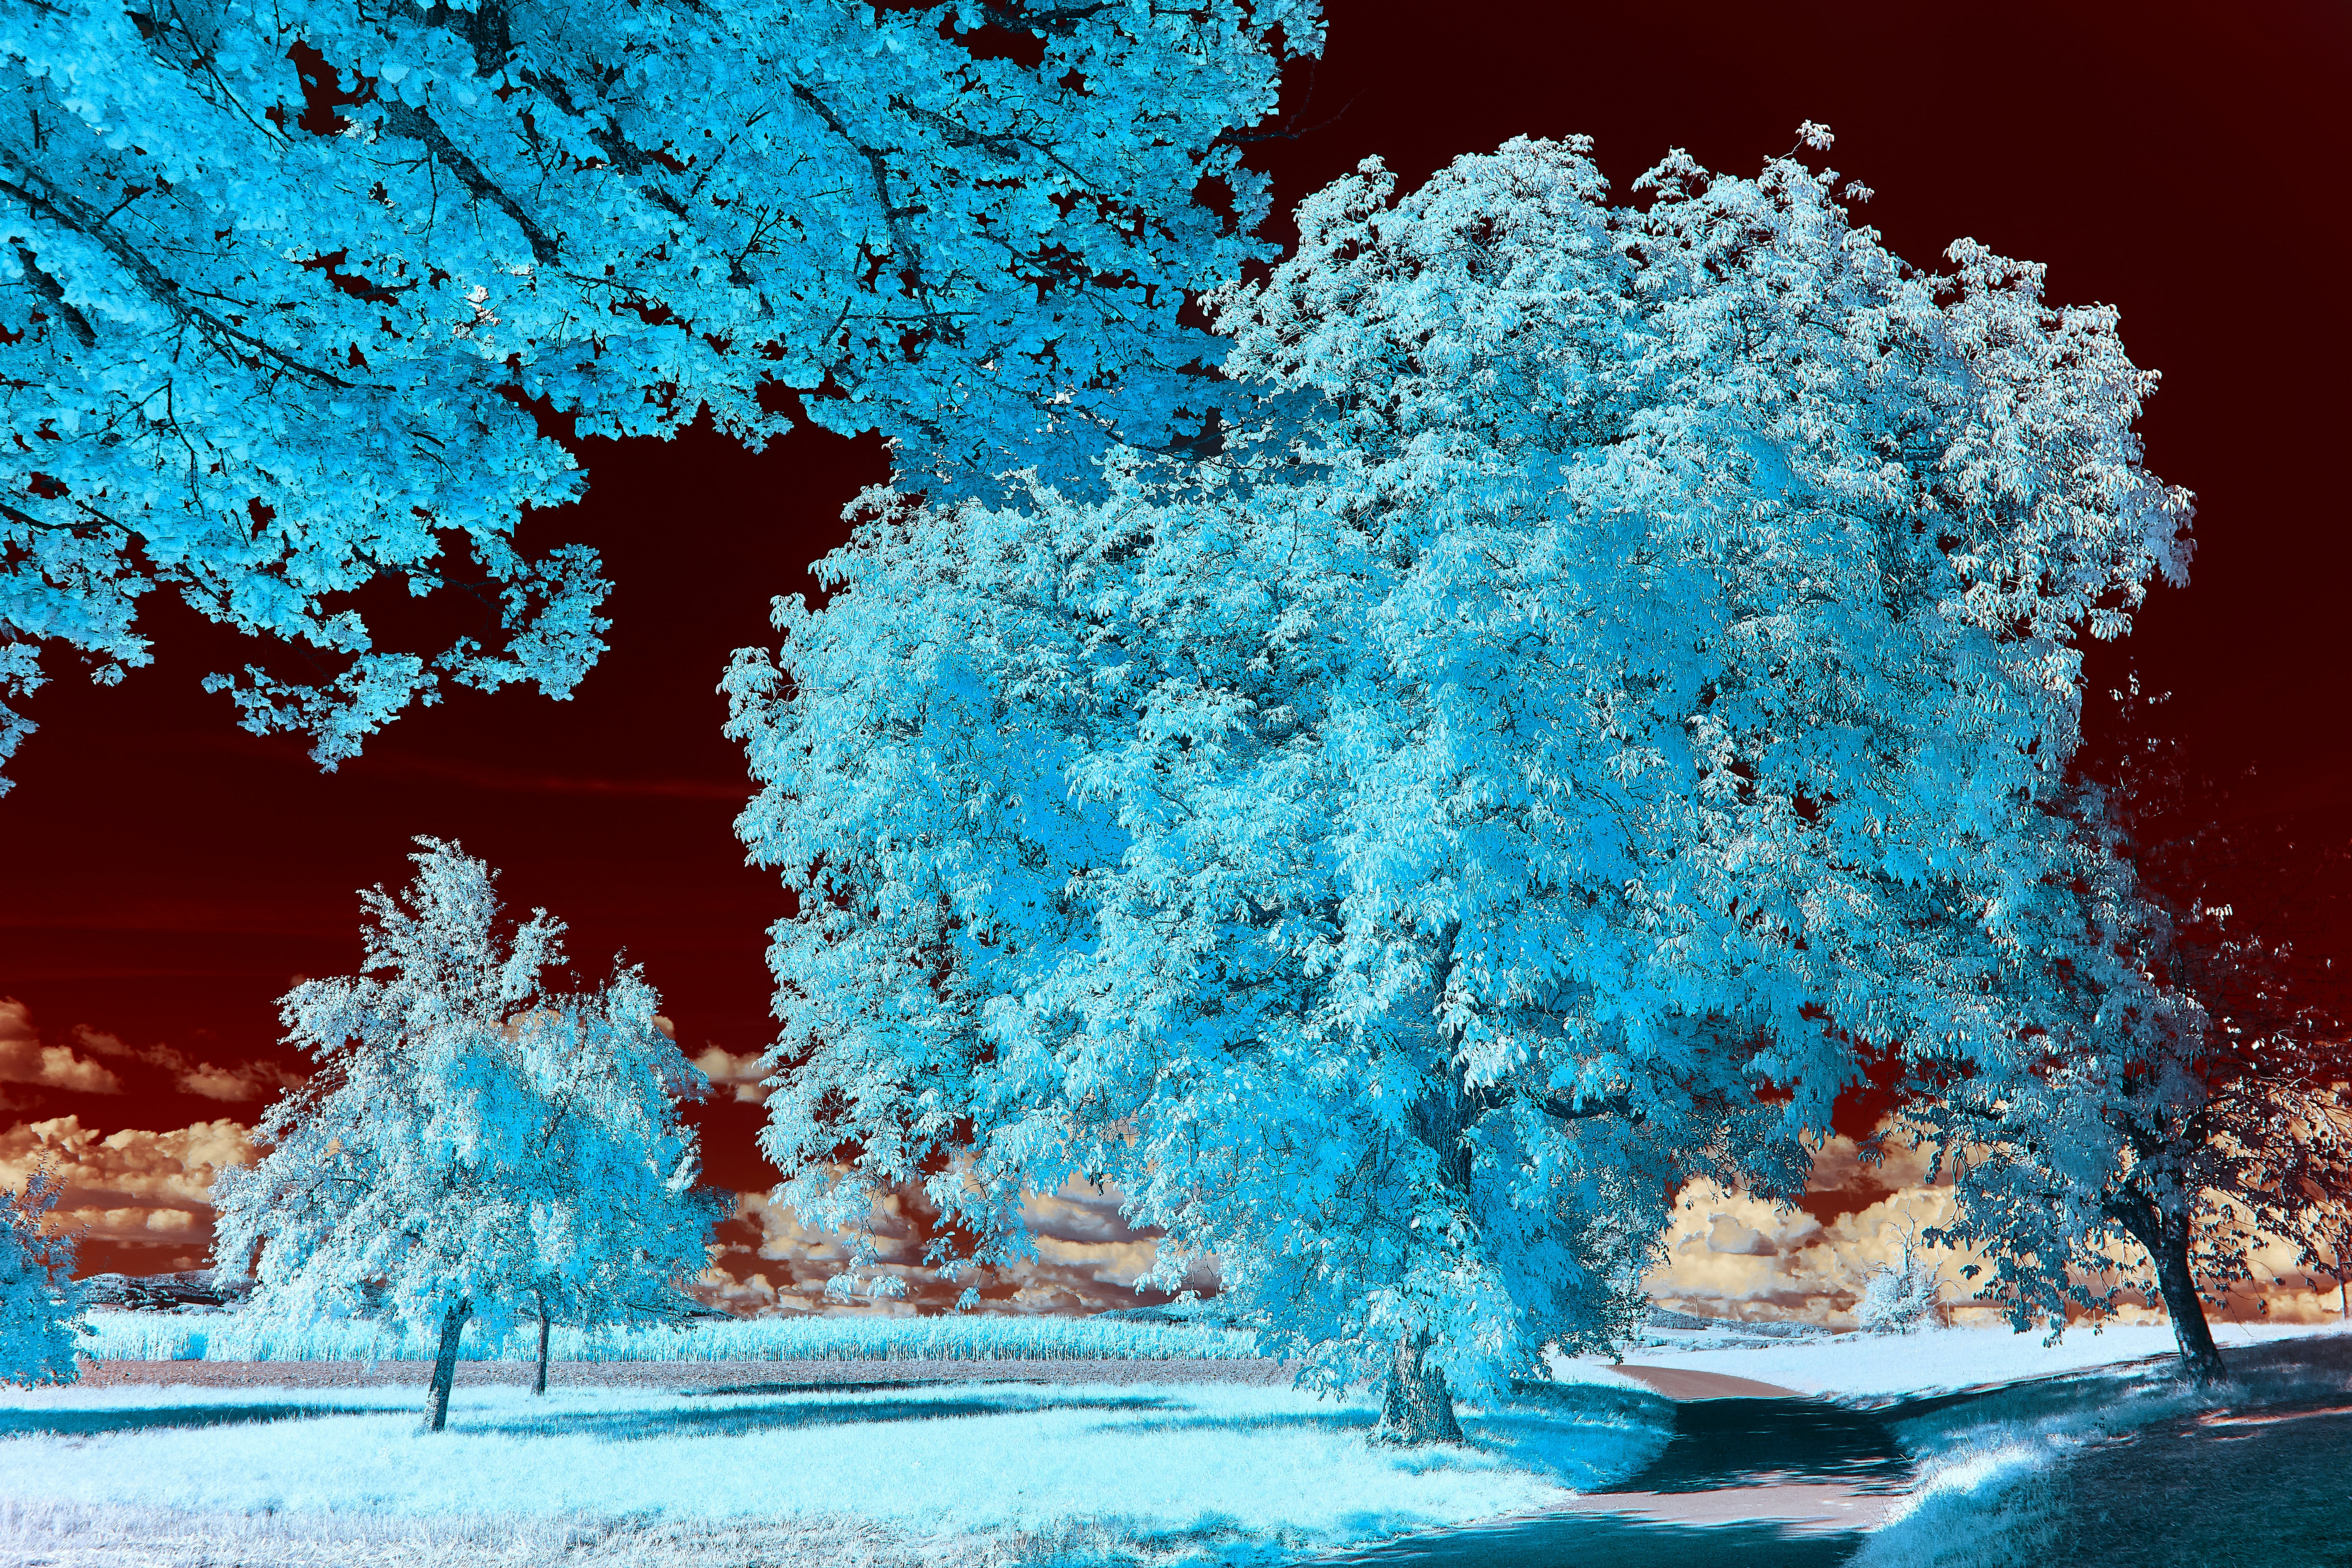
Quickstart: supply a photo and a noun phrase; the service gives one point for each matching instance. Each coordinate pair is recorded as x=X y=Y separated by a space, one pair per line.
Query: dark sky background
x=166 y=876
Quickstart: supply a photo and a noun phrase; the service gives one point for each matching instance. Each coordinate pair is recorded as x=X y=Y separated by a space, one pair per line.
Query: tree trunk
x=2166 y=1237
x=540 y=1386
x=445 y=1366
x=1419 y=1406
x=2343 y=1280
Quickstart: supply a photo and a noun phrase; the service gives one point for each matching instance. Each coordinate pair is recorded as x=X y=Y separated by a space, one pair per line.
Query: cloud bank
x=92 y=1061
x=142 y=1201
x=1734 y=1256
x=1086 y=1258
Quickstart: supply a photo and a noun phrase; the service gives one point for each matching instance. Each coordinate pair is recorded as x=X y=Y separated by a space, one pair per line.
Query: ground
x=891 y=1469
x=950 y=1473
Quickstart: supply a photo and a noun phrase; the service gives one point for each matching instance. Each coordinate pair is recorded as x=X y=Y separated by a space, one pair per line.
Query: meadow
x=1165 y=1472
x=946 y=1475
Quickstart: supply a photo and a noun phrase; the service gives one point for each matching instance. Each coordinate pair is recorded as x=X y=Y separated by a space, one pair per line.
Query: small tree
x=1902 y=1297
x=472 y=1142
x=40 y=1308
x=2176 y=1089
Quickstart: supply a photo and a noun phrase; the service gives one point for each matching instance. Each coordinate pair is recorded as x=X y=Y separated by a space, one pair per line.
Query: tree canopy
x=285 y=290
x=1605 y=708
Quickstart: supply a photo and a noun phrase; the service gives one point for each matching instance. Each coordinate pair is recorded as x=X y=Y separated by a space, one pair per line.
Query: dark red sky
x=165 y=875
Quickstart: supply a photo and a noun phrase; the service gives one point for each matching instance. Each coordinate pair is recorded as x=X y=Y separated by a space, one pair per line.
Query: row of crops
x=226 y=1336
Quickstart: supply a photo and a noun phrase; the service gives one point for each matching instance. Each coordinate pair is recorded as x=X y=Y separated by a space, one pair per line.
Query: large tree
x=474 y=1145
x=285 y=289
x=1532 y=770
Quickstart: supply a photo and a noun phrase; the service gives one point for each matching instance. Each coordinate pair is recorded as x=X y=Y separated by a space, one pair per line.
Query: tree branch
x=45 y=199
x=1559 y=1110
x=54 y=293
x=406 y=120
x=892 y=216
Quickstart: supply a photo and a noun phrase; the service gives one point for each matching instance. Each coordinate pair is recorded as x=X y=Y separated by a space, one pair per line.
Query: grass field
x=968 y=1476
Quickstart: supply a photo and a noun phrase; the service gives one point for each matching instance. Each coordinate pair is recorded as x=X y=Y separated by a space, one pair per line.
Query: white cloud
x=74 y=1065
x=1730 y=1255
x=128 y=1185
x=23 y=1059
x=245 y=1081
x=725 y=1070
x=1087 y=1258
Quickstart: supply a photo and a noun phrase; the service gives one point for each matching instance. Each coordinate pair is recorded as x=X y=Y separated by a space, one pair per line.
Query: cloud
x=23 y=1059
x=1731 y=1254
x=130 y=1185
x=78 y=1063
x=245 y=1081
x=741 y=1074
x=149 y=1169
x=1087 y=1260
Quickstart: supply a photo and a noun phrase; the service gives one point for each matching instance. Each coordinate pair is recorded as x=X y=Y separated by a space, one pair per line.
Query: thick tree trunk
x=2166 y=1237
x=2189 y=1329
x=540 y=1386
x=445 y=1366
x=1419 y=1406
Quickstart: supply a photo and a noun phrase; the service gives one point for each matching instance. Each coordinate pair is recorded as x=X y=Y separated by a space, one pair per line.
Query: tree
x=2179 y=1088
x=1902 y=1297
x=472 y=1140
x=1535 y=771
x=288 y=294
x=40 y=1307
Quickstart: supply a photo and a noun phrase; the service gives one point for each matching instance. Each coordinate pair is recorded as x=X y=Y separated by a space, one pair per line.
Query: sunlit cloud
x=1087 y=1260
x=739 y=1075
x=88 y=1060
x=1734 y=1256
x=130 y=1188
x=25 y=1060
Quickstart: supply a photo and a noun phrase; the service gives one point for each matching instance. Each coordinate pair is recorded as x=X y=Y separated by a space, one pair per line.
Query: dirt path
x=1680 y=1383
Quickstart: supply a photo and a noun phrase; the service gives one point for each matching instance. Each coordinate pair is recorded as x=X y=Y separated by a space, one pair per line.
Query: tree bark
x=1419 y=1406
x=540 y=1386
x=445 y=1366
x=2166 y=1236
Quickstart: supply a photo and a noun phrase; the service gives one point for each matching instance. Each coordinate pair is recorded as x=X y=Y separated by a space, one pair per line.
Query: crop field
x=229 y=1336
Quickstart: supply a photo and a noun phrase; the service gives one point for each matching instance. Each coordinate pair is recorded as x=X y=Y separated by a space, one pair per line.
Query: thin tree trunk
x=1419 y=1406
x=540 y=1386
x=2166 y=1237
x=2343 y=1280
x=445 y=1366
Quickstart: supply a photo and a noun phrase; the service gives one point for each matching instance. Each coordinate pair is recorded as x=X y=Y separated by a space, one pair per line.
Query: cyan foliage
x=473 y=1138
x=281 y=286
x=1617 y=702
